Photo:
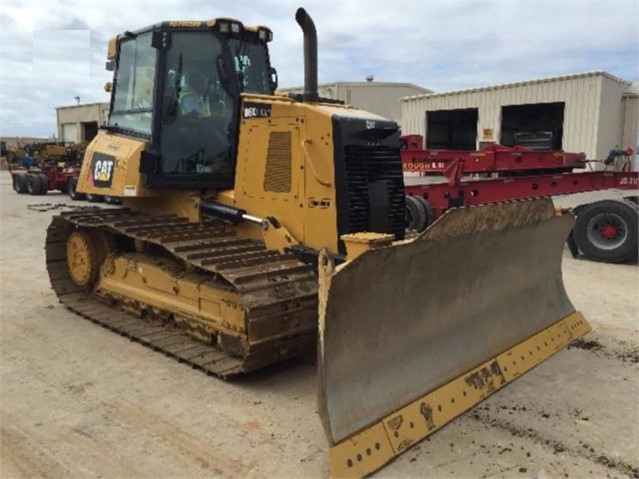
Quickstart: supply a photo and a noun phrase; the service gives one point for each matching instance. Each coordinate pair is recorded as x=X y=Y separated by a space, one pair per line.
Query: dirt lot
x=79 y=401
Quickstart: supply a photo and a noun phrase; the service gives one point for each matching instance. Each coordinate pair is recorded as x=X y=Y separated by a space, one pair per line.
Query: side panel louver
x=277 y=176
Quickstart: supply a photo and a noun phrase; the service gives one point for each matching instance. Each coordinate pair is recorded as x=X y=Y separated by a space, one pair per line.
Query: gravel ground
x=79 y=401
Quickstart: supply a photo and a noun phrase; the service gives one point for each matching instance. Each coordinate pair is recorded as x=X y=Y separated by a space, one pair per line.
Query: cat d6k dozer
x=256 y=225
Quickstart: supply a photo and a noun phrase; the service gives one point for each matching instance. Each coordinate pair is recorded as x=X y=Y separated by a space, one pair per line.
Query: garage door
x=70 y=132
x=452 y=129
x=535 y=125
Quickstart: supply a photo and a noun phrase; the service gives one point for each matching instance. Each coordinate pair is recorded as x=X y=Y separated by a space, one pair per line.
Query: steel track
x=278 y=291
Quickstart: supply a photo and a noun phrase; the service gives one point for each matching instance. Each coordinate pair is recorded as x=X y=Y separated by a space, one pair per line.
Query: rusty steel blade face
x=398 y=322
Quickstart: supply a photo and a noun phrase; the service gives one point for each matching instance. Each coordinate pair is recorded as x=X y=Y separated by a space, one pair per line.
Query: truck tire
x=416 y=216
x=608 y=231
x=428 y=209
x=72 y=186
x=94 y=198
x=33 y=184
x=16 y=182
x=44 y=184
x=633 y=200
x=22 y=184
x=112 y=200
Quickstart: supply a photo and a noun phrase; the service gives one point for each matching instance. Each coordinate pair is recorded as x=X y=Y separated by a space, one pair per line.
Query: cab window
x=134 y=85
x=251 y=65
x=198 y=111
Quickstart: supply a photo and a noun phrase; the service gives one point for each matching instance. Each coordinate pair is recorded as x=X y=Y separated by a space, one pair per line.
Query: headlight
x=227 y=25
x=265 y=34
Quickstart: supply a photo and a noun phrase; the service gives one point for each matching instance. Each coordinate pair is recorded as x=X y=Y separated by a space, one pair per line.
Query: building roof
x=633 y=90
x=362 y=84
x=101 y=103
x=518 y=84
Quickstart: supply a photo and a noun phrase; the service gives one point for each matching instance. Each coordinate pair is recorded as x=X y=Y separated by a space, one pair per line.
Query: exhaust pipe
x=310 y=54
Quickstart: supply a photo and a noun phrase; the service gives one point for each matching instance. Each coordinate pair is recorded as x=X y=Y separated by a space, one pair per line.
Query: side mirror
x=272 y=79
x=149 y=162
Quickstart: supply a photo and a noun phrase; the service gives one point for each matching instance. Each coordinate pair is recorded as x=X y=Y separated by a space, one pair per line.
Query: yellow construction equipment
x=239 y=202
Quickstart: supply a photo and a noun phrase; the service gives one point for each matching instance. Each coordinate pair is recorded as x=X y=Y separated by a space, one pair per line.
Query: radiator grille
x=277 y=177
x=369 y=164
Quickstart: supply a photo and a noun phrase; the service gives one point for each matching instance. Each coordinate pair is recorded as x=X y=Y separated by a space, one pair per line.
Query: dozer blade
x=414 y=334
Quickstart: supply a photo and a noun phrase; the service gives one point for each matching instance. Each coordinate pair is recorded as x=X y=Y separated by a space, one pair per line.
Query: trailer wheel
x=428 y=209
x=44 y=184
x=608 y=231
x=16 y=183
x=415 y=214
x=72 y=186
x=94 y=198
x=22 y=184
x=33 y=184
x=633 y=200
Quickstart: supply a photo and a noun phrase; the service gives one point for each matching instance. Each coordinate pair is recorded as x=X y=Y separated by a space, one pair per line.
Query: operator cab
x=178 y=85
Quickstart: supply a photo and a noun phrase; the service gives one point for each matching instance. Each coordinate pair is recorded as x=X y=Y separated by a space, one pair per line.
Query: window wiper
x=110 y=127
x=125 y=130
x=171 y=108
x=239 y=53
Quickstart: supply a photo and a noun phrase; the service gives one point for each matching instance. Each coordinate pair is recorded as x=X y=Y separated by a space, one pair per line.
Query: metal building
x=588 y=112
x=381 y=98
x=78 y=123
x=630 y=110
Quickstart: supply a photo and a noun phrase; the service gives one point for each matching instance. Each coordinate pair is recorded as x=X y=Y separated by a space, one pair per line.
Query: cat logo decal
x=102 y=168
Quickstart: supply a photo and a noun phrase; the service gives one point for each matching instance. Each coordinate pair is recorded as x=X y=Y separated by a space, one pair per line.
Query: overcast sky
x=52 y=51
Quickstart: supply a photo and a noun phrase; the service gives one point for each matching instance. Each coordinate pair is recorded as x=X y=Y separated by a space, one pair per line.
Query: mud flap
x=415 y=334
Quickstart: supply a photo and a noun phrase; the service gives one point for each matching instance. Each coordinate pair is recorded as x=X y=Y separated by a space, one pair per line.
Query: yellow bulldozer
x=257 y=226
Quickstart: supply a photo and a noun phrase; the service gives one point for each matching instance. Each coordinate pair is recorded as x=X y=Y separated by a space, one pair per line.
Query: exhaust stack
x=310 y=54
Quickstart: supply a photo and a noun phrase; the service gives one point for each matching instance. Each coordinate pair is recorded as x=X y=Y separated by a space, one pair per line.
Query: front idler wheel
x=86 y=250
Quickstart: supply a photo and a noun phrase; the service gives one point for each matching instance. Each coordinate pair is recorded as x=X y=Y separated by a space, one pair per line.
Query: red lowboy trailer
x=604 y=231
x=39 y=181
